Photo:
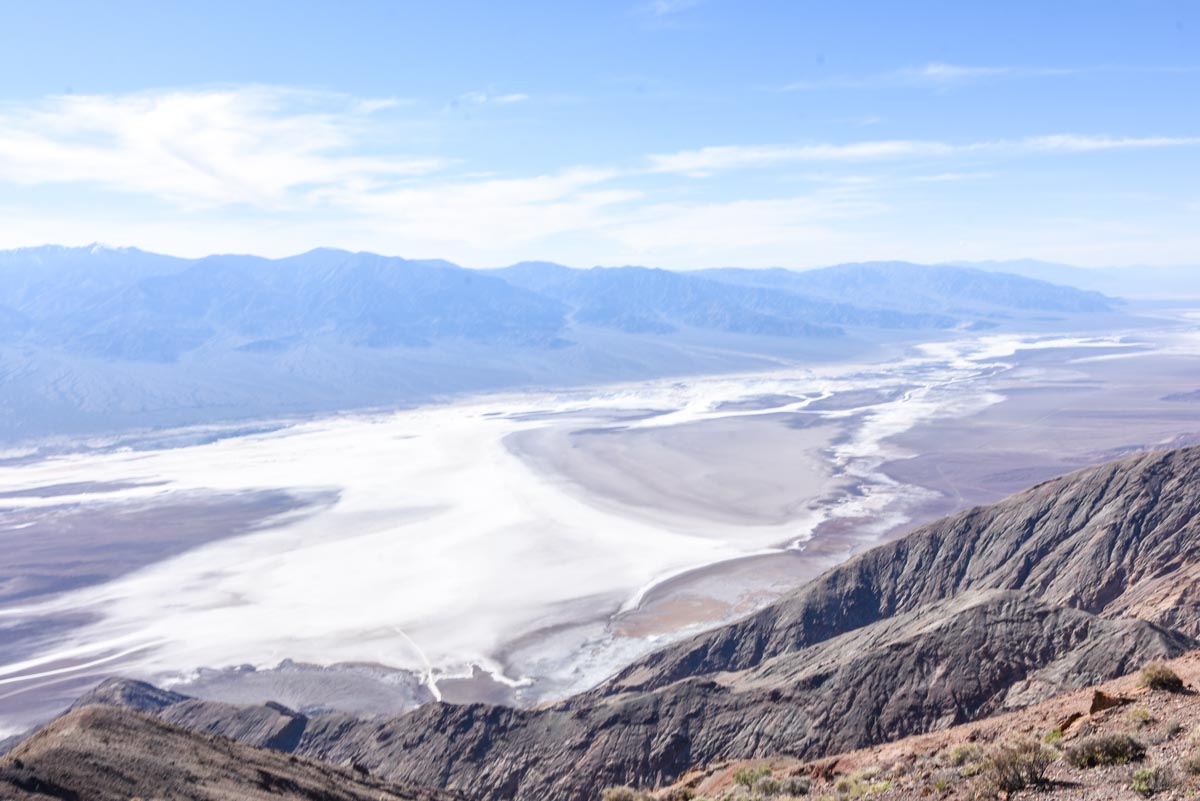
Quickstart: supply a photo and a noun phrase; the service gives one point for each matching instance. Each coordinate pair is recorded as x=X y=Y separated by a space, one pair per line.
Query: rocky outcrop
x=1121 y=539
x=109 y=754
x=1072 y=582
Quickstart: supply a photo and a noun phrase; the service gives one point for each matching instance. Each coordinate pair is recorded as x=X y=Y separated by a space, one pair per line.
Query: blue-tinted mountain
x=644 y=300
x=158 y=310
x=54 y=281
x=103 y=339
x=1142 y=282
x=943 y=289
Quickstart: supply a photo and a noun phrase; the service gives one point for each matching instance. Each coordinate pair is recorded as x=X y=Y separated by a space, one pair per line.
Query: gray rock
x=102 y=753
x=1072 y=582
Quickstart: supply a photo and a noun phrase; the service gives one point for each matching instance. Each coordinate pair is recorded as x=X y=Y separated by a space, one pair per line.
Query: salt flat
x=522 y=544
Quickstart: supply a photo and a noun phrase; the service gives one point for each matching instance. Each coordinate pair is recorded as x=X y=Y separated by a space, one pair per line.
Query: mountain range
x=1075 y=581
x=100 y=339
x=1139 y=282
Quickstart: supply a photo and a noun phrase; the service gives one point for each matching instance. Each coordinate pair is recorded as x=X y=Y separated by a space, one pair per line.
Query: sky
x=672 y=133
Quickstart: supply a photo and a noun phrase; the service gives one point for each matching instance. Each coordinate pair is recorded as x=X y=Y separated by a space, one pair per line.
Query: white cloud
x=708 y=160
x=1072 y=143
x=274 y=171
x=935 y=75
x=261 y=146
x=491 y=212
x=740 y=224
x=483 y=98
x=664 y=8
x=951 y=177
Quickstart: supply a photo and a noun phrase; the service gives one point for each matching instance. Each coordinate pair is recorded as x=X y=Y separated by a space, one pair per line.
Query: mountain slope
x=108 y=754
x=1169 y=283
x=643 y=300
x=923 y=288
x=108 y=340
x=953 y=763
x=1119 y=539
x=1074 y=581
x=352 y=298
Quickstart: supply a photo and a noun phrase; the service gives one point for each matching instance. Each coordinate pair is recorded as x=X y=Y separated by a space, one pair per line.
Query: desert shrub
x=1174 y=729
x=1105 y=749
x=1139 y=716
x=623 y=794
x=1191 y=763
x=796 y=785
x=849 y=787
x=1158 y=676
x=963 y=754
x=749 y=776
x=767 y=786
x=1148 y=781
x=1013 y=766
x=678 y=794
x=1053 y=737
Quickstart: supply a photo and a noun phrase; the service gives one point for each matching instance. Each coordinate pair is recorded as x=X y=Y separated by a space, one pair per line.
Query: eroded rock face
x=103 y=753
x=1074 y=581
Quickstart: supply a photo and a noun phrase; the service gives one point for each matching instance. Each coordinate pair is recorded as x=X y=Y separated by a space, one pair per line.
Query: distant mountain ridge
x=102 y=339
x=924 y=288
x=1139 y=282
x=645 y=300
x=132 y=305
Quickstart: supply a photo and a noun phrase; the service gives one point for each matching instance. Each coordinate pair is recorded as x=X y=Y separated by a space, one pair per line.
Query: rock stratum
x=1139 y=740
x=1073 y=582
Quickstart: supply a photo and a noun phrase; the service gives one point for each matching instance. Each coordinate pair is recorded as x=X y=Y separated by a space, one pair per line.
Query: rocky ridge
x=100 y=753
x=1156 y=728
x=1075 y=581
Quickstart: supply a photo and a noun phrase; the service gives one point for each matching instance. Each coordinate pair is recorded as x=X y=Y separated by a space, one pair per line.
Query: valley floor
x=367 y=563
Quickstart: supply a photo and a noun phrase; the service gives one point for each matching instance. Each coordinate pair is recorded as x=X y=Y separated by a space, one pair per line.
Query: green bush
x=963 y=754
x=1105 y=749
x=1158 y=676
x=1148 y=781
x=1015 y=765
x=1139 y=716
x=749 y=776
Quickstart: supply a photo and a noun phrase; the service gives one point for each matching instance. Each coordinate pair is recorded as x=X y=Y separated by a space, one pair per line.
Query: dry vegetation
x=1137 y=736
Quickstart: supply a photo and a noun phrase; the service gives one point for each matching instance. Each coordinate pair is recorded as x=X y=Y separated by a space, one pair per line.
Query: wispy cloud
x=935 y=75
x=273 y=170
x=951 y=177
x=730 y=226
x=665 y=8
x=705 y=161
x=483 y=98
x=494 y=212
x=261 y=146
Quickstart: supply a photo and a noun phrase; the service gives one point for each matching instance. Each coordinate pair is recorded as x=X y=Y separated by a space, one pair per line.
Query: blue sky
x=671 y=133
